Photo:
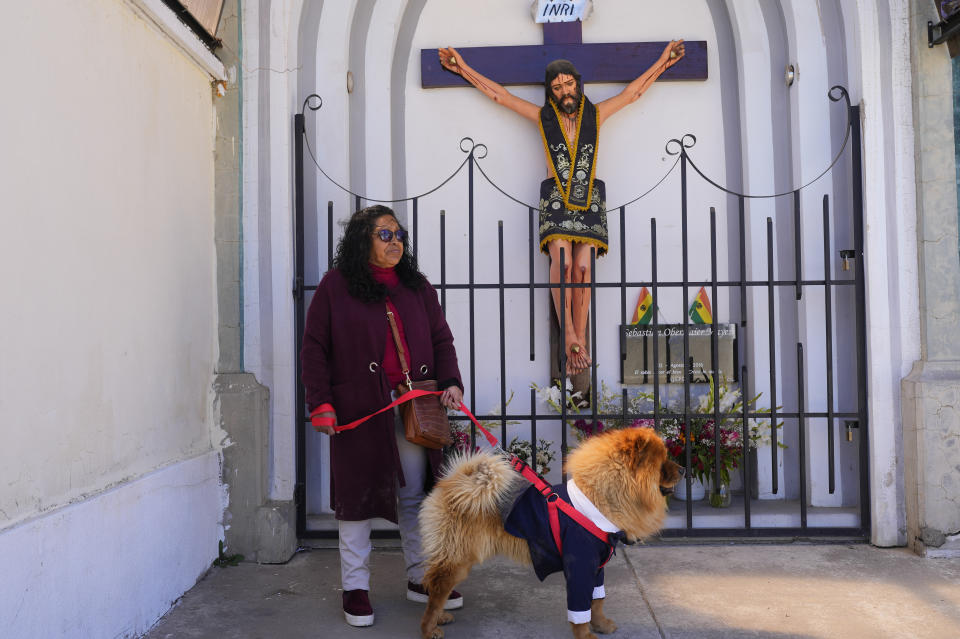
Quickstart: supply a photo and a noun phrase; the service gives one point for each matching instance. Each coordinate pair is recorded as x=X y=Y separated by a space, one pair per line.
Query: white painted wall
x=269 y=61
x=109 y=324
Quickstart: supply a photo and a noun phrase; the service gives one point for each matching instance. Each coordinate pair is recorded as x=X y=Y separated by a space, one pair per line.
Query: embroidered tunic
x=572 y=202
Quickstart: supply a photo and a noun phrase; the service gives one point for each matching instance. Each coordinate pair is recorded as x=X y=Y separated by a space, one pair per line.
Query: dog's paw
x=444 y=618
x=582 y=631
x=603 y=625
x=434 y=633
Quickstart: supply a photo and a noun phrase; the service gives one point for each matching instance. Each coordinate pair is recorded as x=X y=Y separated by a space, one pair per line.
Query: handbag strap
x=396 y=340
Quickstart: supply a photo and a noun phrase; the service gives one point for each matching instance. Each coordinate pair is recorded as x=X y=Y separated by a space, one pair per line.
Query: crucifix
x=598 y=62
x=572 y=200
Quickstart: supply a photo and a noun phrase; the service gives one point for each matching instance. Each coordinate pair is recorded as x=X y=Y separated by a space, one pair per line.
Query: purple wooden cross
x=599 y=62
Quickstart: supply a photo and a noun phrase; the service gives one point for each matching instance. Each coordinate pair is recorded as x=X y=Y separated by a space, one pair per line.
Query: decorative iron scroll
x=675 y=147
x=682 y=147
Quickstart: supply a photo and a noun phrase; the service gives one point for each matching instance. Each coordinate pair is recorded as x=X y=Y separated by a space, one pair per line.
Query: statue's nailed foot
x=577 y=358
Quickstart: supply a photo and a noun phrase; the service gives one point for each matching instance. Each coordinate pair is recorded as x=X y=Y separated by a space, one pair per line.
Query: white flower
x=704 y=403
x=728 y=399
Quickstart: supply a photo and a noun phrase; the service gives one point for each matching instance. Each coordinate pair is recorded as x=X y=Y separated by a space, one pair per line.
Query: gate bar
x=300 y=483
x=443 y=261
x=656 y=325
x=470 y=293
x=797 y=256
x=714 y=350
x=533 y=427
x=533 y=243
x=686 y=334
x=744 y=459
x=503 y=353
x=623 y=292
x=593 y=331
x=743 y=271
x=771 y=334
x=828 y=320
x=329 y=240
x=861 y=313
x=416 y=234
x=562 y=361
x=801 y=436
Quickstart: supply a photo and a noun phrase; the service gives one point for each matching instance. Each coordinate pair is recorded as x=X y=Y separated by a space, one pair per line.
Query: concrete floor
x=653 y=592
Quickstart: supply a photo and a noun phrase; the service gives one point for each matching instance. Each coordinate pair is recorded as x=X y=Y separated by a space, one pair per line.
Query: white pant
x=355 y=543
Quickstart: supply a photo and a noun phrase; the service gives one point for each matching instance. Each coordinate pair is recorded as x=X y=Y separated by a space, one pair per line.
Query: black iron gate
x=688 y=518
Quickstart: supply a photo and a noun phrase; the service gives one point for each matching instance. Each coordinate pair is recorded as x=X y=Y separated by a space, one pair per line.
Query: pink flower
x=588 y=428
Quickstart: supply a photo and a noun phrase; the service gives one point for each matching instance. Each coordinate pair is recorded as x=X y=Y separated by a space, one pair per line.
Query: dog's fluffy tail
x=467 y=502
x=475 y=484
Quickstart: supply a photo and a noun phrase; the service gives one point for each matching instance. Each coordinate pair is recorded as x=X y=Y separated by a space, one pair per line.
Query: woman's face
x=385 y=254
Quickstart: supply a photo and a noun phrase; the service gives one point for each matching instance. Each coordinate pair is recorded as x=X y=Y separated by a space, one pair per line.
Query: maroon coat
x=343 y=348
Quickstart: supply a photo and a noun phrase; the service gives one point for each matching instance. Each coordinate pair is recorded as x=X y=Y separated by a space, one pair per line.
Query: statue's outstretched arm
x=453 y=61
x=632 y=92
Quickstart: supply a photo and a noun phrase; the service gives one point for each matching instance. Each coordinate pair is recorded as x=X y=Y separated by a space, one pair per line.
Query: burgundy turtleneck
x=391 y=361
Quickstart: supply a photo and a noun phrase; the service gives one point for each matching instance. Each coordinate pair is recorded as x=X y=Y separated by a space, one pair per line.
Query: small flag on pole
x=644 y=311
x=700 y=311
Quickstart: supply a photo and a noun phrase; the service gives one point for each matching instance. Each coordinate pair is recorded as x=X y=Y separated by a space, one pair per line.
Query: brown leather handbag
x=424 y=418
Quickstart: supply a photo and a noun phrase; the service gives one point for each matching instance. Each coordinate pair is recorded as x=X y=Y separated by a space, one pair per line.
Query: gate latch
x=846 y=255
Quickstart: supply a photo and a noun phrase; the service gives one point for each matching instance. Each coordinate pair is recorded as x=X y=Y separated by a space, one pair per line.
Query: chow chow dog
x=624 y=474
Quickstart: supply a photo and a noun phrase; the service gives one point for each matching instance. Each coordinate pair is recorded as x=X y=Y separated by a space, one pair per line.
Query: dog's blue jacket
x=583 y=554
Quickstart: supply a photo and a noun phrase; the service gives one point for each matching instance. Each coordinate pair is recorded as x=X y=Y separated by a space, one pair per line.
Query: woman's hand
x=327 y=430
x=452 y=397
x=450 y=59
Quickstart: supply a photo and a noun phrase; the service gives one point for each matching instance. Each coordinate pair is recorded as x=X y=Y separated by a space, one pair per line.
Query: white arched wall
x=753 y=57
x=268 y=201
x=632 y=159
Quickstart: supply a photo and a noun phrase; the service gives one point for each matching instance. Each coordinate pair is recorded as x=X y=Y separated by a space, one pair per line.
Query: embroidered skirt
x=560 y=223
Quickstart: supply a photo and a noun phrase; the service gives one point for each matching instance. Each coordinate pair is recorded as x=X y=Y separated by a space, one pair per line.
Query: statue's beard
x=570 y=106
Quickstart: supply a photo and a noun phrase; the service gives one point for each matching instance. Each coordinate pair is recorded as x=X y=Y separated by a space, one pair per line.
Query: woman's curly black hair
x=353 y=257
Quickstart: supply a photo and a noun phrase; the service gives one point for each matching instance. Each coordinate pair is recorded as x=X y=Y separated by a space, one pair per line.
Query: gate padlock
x=846 y=255
x=850 y=425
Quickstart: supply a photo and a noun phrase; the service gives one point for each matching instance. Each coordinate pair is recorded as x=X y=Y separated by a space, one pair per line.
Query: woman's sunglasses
x=387 y=235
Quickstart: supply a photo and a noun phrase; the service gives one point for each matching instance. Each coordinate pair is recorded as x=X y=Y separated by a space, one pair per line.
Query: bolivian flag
x=644 y=311
x=700 y=311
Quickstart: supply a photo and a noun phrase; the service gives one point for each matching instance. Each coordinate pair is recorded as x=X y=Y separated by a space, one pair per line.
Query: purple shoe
x=357 y=608
x=416 y=592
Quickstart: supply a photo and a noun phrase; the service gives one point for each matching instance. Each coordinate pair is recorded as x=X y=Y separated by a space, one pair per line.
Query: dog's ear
x=644 y=452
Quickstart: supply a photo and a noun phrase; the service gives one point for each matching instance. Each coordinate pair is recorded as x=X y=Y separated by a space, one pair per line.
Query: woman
x=351 y=369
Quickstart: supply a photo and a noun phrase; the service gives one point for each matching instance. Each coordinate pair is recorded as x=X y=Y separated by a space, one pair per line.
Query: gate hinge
x=299 y=494
x=298 y=288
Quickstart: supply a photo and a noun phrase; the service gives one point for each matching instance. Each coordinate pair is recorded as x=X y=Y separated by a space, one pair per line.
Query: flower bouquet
x=707 y=436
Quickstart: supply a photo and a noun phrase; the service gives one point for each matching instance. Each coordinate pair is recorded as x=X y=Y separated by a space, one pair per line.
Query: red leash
x=412 y=394
x=516 y=463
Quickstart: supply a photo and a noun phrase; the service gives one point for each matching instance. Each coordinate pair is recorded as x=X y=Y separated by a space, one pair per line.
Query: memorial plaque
x=638 y=364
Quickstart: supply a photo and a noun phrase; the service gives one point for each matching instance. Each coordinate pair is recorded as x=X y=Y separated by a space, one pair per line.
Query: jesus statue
x=572 y=201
